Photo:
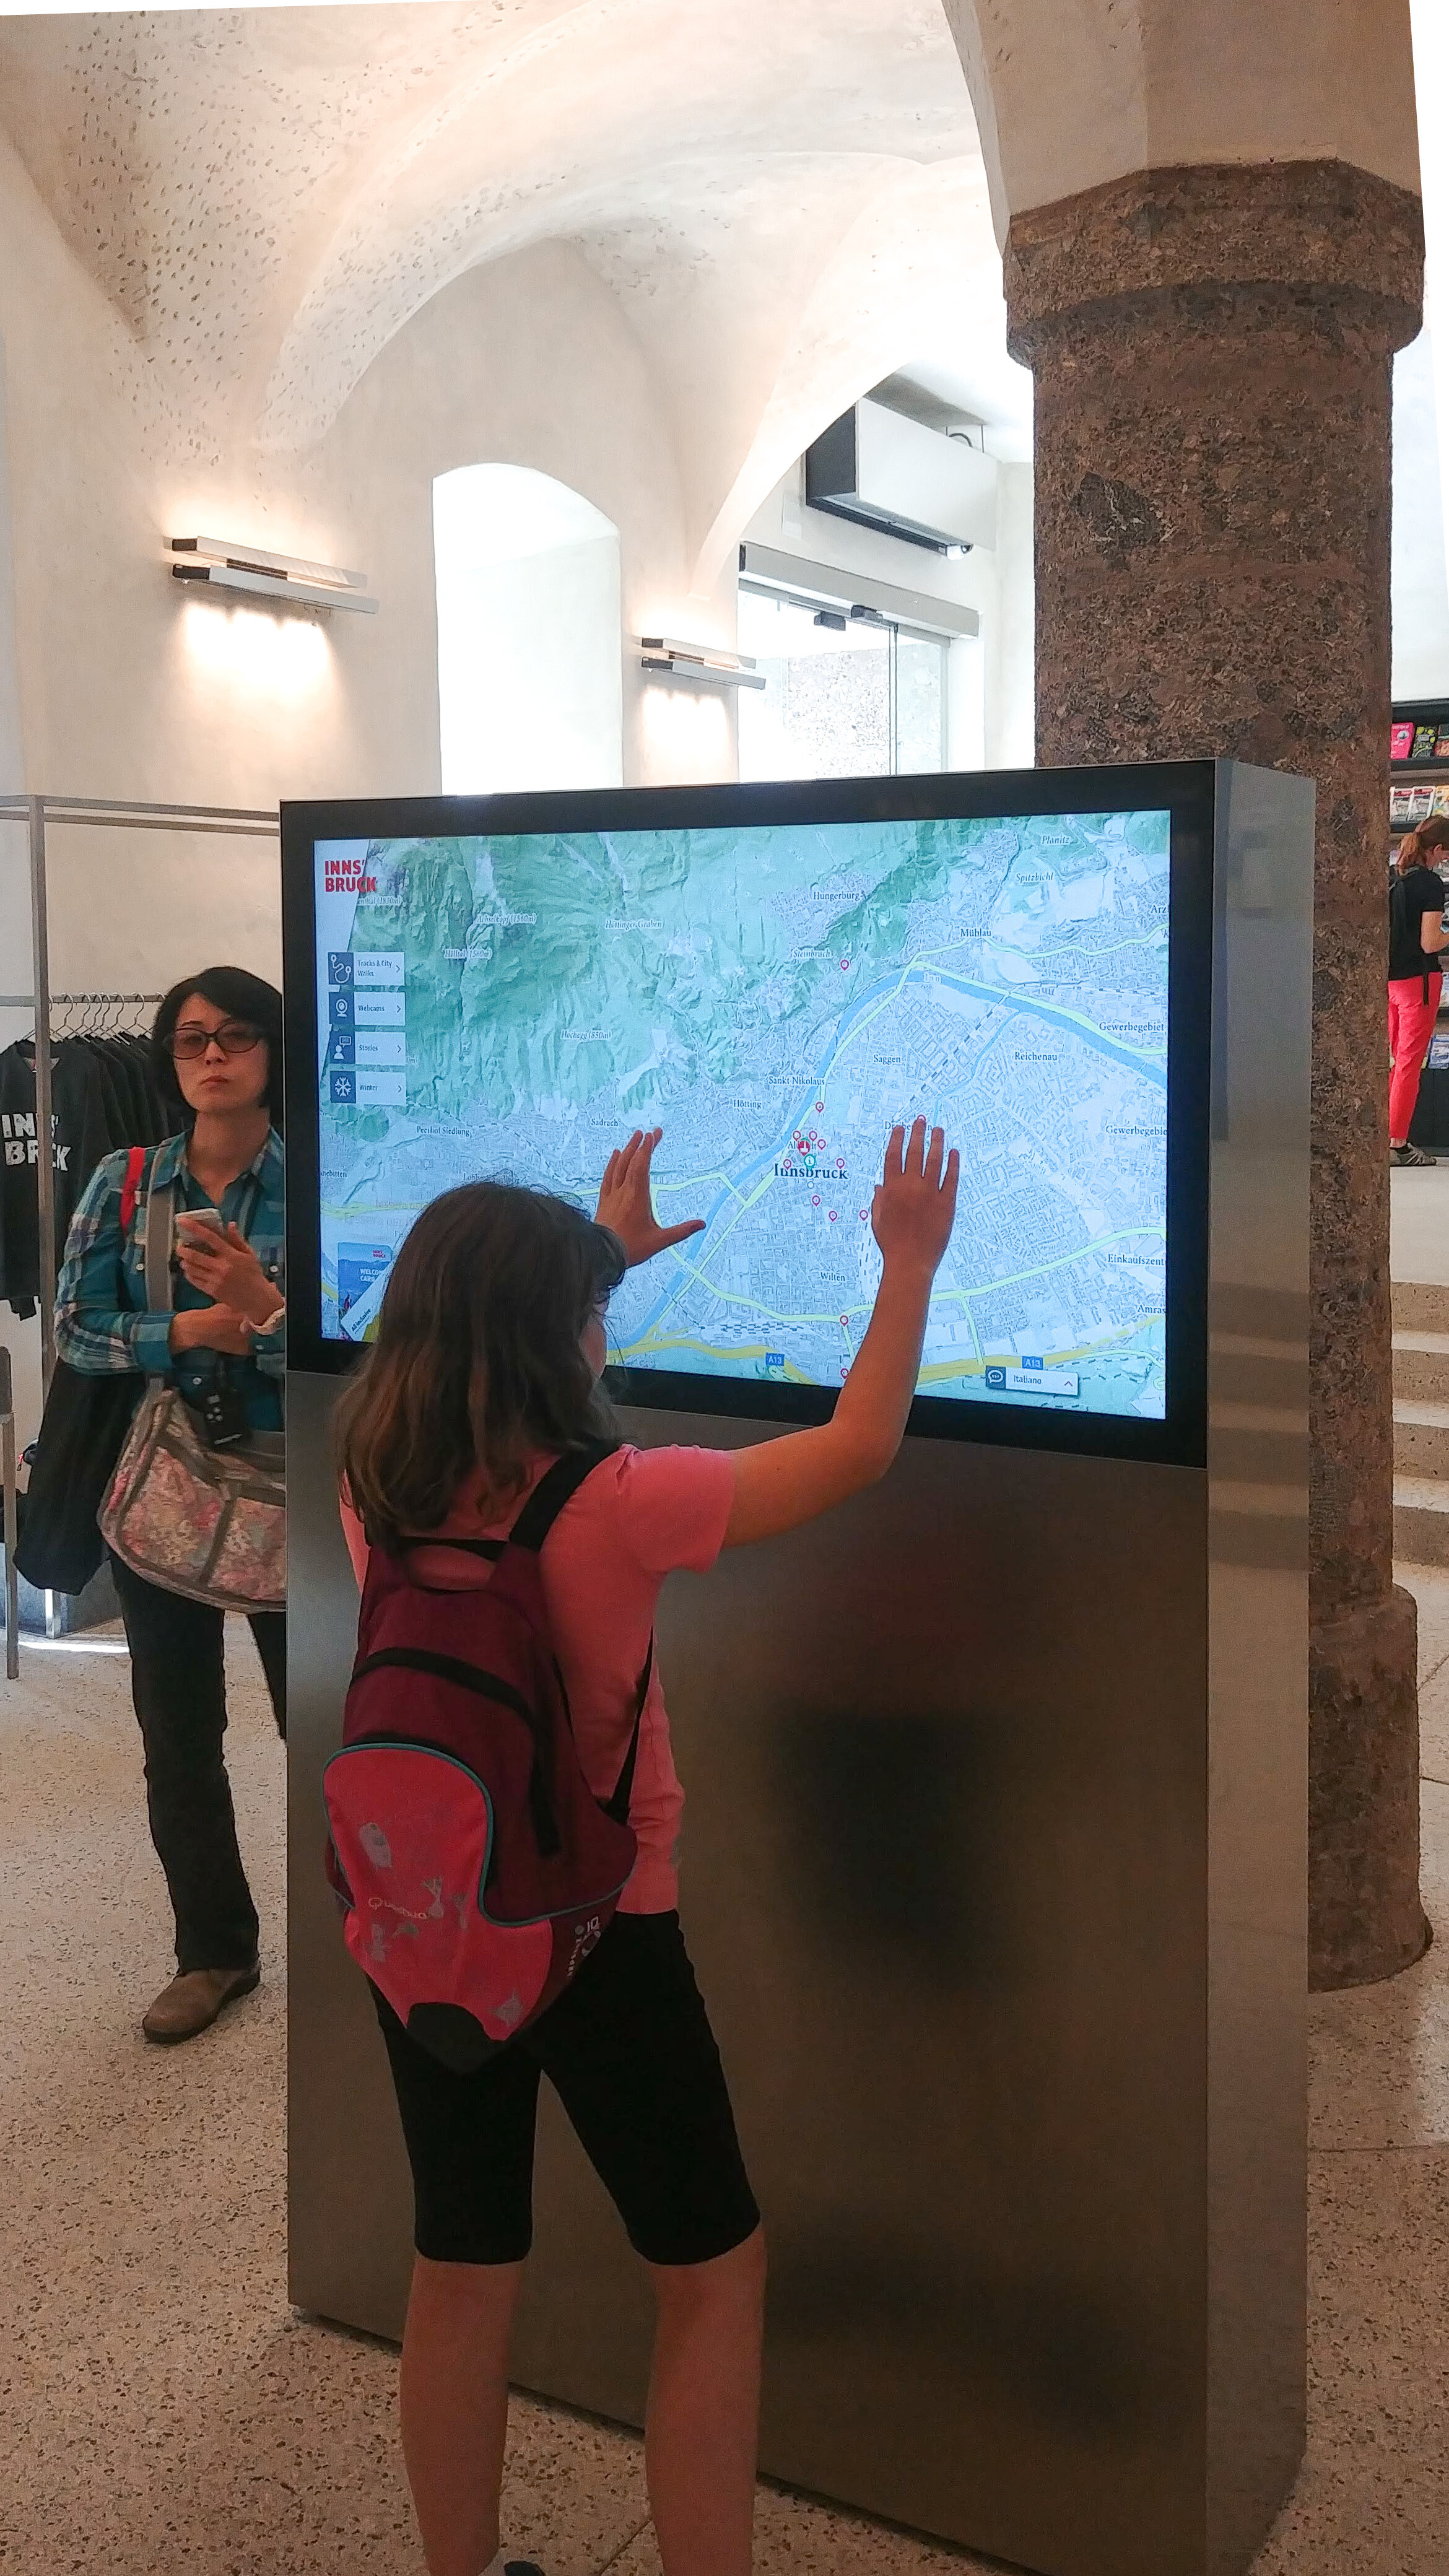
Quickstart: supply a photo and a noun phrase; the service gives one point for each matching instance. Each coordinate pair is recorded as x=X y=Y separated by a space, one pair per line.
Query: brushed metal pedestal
x=995 y=1879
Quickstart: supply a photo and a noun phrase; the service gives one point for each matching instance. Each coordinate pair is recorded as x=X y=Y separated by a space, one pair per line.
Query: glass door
x=845 y=696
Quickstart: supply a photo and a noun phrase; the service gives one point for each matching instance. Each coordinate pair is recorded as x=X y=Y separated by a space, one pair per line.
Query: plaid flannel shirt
x=102 y=1325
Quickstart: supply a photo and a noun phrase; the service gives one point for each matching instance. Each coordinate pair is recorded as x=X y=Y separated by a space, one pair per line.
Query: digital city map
x=775 y=998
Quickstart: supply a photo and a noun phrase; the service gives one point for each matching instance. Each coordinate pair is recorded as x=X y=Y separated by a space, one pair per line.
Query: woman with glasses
x=217 y=1047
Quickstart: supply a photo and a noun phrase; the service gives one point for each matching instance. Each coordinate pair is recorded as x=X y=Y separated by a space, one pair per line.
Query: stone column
x=1212 y=348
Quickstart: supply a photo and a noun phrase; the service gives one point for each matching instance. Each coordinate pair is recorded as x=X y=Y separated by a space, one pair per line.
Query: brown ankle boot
x=191 y=2003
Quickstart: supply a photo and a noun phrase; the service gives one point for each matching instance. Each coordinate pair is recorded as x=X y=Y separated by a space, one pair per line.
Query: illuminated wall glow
x=280 y=656
x=688 y=734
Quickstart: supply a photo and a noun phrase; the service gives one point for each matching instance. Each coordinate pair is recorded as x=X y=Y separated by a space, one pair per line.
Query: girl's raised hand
x=914 y=1207
x=626 y=1204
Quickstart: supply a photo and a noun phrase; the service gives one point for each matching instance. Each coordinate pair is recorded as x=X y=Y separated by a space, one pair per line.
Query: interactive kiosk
x=994 y=1856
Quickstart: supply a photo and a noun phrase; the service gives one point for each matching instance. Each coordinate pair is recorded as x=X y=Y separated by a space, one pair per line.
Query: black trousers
x=178 y=1687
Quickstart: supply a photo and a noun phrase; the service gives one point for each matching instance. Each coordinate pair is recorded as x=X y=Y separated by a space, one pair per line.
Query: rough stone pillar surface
x=1212 y=353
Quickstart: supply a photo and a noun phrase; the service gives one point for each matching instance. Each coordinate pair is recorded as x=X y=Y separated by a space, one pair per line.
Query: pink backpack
x=474 y=1864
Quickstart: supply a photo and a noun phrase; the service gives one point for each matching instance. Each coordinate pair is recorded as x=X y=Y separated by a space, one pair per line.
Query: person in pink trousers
x=1416 y=944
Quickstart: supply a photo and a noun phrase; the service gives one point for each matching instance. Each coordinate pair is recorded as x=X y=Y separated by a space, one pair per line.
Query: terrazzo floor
x=161 y=2408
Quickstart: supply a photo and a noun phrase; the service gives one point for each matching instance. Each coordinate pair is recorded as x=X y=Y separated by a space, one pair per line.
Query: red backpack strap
x=131 y=1186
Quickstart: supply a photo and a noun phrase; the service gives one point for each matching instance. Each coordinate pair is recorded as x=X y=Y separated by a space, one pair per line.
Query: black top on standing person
x=1416 y=896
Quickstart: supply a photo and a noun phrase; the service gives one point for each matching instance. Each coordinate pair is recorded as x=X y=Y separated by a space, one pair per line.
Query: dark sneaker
x=1405 y=1155
x=190 y=2004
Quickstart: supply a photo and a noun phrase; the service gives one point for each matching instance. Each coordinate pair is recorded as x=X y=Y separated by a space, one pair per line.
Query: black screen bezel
x=1185 y=789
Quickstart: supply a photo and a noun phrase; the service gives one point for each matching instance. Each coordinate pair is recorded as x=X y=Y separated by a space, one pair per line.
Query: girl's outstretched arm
x=780 y=1483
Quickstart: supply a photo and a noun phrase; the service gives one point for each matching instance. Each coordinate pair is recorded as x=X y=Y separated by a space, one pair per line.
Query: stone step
x=1421 y=1368
x=1421 y=1439
x=1421 y=1520
x=1420 y=1306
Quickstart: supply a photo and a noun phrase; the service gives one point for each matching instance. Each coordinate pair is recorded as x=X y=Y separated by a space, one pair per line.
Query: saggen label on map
x=775 y=998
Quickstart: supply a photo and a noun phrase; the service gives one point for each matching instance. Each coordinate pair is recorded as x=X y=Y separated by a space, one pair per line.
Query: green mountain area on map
x=544 y=970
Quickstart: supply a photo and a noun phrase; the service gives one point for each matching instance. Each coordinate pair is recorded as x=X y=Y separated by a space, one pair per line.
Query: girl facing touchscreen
x=485 y=1374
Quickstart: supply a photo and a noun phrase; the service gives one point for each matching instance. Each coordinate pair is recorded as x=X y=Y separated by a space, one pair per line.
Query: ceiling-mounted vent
x=887 y=472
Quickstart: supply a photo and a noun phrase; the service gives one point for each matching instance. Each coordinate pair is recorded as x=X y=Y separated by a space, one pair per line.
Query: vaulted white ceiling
x=788 y=197
x=266 y=196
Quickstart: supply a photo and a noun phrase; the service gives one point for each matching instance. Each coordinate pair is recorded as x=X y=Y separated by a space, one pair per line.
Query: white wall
x=530 y=633
x=1420 y=595
x=1011 y=662
x=14 y=886
x=529 y=361
x=11 y=764
x=22 y=1340
x=1070 y=94
x=529 y=672
x=128 y=686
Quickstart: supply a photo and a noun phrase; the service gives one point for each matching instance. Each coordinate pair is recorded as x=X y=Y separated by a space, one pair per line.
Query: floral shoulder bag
x=208 y=1523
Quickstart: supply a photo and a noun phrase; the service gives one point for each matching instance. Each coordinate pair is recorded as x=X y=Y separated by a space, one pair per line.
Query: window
x=845 y=696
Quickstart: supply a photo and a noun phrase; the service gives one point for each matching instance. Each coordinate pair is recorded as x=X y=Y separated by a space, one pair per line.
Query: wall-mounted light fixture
x=699 y=665
x=252 y=569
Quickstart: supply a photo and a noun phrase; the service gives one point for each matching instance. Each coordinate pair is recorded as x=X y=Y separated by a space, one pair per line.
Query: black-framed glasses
x=234 y=1037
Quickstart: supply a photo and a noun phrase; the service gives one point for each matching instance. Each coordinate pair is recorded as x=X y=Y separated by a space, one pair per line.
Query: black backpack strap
x=549 y=1497
x=617 y=1807
x=492 y=1548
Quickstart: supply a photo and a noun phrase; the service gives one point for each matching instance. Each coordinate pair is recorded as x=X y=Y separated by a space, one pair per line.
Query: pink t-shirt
x=639 y=1516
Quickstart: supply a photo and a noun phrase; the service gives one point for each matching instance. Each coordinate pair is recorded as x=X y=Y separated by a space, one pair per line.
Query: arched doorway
x=529 y=645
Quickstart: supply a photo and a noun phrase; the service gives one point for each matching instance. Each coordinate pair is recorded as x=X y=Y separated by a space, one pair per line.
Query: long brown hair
x=477 y=1366
x=1433 y=835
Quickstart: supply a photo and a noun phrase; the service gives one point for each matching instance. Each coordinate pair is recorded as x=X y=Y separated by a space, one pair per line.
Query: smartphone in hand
x=209 y=1217
x=207 y=1220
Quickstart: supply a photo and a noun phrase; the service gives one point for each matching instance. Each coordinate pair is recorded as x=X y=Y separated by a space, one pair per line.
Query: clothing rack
x=89 y=1003
x=33 y=815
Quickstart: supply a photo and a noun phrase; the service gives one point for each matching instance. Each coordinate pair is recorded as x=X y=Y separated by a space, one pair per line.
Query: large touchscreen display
x=775 y=997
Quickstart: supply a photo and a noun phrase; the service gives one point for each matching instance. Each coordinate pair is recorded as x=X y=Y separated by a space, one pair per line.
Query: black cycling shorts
x=629 y=2051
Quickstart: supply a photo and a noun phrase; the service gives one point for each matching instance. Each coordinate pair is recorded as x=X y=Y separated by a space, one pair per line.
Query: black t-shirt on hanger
x=99 y=1101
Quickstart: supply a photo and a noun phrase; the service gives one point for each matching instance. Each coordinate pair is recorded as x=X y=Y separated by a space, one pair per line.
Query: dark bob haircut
x=243 y=997
x=477 y=1367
